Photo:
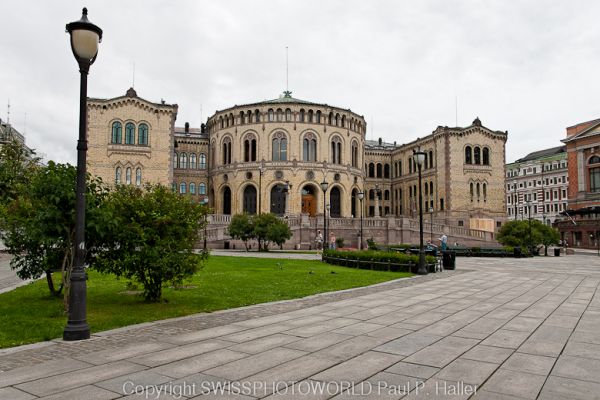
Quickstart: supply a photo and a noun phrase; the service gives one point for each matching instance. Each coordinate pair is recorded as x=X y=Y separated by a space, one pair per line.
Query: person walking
x=444 y=241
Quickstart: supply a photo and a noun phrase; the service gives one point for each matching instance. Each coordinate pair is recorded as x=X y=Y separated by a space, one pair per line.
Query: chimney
x=187 y=128
x=380 y=141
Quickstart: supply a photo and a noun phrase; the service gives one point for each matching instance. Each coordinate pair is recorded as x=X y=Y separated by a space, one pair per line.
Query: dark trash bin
x=449 y=259
x=557 y=252
x=226 y=245
x=517 y=252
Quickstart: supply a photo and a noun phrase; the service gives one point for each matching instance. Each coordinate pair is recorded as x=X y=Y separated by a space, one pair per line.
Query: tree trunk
x=51 y=287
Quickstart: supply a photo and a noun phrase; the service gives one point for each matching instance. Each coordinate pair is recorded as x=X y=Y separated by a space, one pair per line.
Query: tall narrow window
x=309 y=148
x=431 y=159
x=117 y=130
x=486 y=156
x=310 y=116
x=468 y=155
x=176 y=160
x=192 y=188
x=271 y=115
x=330 y=121
x=279 y=147
x=202 y=188
x=227 y=151
x=129 y=133
x=354 y=154
x=302 y=115
x=484 y=187
x=256 y=116
x=128 y=176
x=288 y=115
x=594 y=172
x=183 y=161
x=386 y=171
x=138 y=177
x=202 y=164
x=193 y=161
x=371 y=170
x=118 y=176
x=471 y=190
x=250 y=148
x=379 y=170
x=478 y=191
x=182 y=187
x=143 y=135
x=477 y=155
x=318 y=117
x=336 y=151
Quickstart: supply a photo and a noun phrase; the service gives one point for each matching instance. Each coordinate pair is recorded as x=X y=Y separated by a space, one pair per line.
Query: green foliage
x=517 y=233
x=378 y=260
x=339 y=242
x=38 y=226
x=241 y=227
x=17 y=165
x=265 y=228
x=371 y=244
x=150 y=236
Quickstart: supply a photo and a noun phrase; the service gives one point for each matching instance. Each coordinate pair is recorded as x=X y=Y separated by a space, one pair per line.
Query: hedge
x=375 y=260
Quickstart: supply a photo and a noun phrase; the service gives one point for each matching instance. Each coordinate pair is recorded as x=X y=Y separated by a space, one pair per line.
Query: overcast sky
x=526 y=67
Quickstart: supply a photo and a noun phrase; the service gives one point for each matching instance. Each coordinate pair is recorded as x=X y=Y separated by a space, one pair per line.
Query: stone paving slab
x=510 y=328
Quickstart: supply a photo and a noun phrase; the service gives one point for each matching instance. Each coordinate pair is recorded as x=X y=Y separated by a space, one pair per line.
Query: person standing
x=444 y=240
x=332 y=243
x=319 y=240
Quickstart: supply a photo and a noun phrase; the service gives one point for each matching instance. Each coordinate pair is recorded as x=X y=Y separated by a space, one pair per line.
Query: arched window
x=399 y=168
x=371 y=194
x=279 y=115
x=484 y=187
x=279 y=150
x=118 y=176
x=410 y=165
x=337 y=119
x=336 y=150
x=371 y=170
x=249 y=117
x=386 y=171
x=174 y=187
x=386 y=195
x=309 y=148
x=202 y=164
x=335 y=202
x=227 y=151
x=182 y=187
x=192 y=188
x=318 y=117
x=256 y=116
x=202 y=188
x=193 y=161
x=431 y=188
x=471 y=190
x=288 y=115
x=182 y=160
x=117 y=130
x=354 y=154
x=143 y=135
x=138 y=176
x=478 y=191
x=128 y=176
x=426 y=189
x=477 y=155
x=176 y=160
x=249 y=200
x=330 y=122
x=468 y=155
x=221 y=122
x=343 y=121
x=486 y=156
x=271 y=115
x=431 y=159
x=302 y=115
x=379 y=170
x=310 y=116
x=594 y=172
x=129 y=133
x=250 y=148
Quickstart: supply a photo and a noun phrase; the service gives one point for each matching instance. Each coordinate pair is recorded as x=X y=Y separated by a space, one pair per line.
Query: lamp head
x=85 y=37
x=324 y=185
x=361 y=195
x=419 y=156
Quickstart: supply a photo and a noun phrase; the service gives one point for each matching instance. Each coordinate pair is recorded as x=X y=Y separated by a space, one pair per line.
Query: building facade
x=275 y=156
x=580 y=225
x=537 y=186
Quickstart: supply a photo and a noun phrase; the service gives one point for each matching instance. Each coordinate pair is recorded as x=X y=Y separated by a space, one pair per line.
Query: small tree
x=151 y=237
x=514 y=233
x=546 y=235
x=279 y=232
x=262 y=224
x=241 y=227
x=38 y=227
x=17 y=165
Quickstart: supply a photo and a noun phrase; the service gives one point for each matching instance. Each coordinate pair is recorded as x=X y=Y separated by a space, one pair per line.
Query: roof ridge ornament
x=287 y=94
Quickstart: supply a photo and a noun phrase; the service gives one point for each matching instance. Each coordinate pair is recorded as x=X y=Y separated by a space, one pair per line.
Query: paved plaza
x=493 y=329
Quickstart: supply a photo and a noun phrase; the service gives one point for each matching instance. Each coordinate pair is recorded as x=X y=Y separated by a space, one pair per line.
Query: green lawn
x=29 y=314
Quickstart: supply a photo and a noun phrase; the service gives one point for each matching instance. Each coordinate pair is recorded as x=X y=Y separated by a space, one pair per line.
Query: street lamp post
x=288 y=194
x=328 y=207
x=205 y=202
x=377 y=194
x=529 y=217
x=419 y=158
x=261 y=170
x=85 y=37
x=361 y=196
x=431 y=222
x=324 y=186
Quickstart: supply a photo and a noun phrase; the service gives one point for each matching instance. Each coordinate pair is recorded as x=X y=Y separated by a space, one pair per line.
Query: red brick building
x=581 y=223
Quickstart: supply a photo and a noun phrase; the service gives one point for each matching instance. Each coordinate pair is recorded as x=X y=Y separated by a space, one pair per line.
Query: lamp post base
x=76 y=332
x=422 y=270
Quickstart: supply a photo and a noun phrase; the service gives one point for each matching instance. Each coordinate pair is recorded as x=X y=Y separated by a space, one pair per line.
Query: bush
x=375 y=260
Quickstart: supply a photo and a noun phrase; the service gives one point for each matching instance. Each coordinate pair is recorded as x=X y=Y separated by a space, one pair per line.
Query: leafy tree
x=241 y=227
x=517 y=233
x=17 y=164
x=151 y=235
x=262 y=223
x=38 y=227
x=278 y=232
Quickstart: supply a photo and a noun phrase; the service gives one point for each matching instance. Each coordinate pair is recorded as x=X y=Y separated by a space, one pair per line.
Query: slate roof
x=543 y=153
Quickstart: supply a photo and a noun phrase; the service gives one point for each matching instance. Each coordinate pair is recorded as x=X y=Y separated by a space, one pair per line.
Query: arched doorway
x=309 y=200
x=278 y=195
x=354 y=203
x=227 y=201
x=249 y=204
x=335 y=199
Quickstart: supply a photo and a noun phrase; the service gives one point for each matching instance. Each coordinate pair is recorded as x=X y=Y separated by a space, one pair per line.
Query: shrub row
x=374 y=260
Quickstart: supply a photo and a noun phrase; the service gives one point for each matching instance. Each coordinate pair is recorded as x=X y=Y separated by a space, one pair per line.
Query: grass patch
x=30 y=315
